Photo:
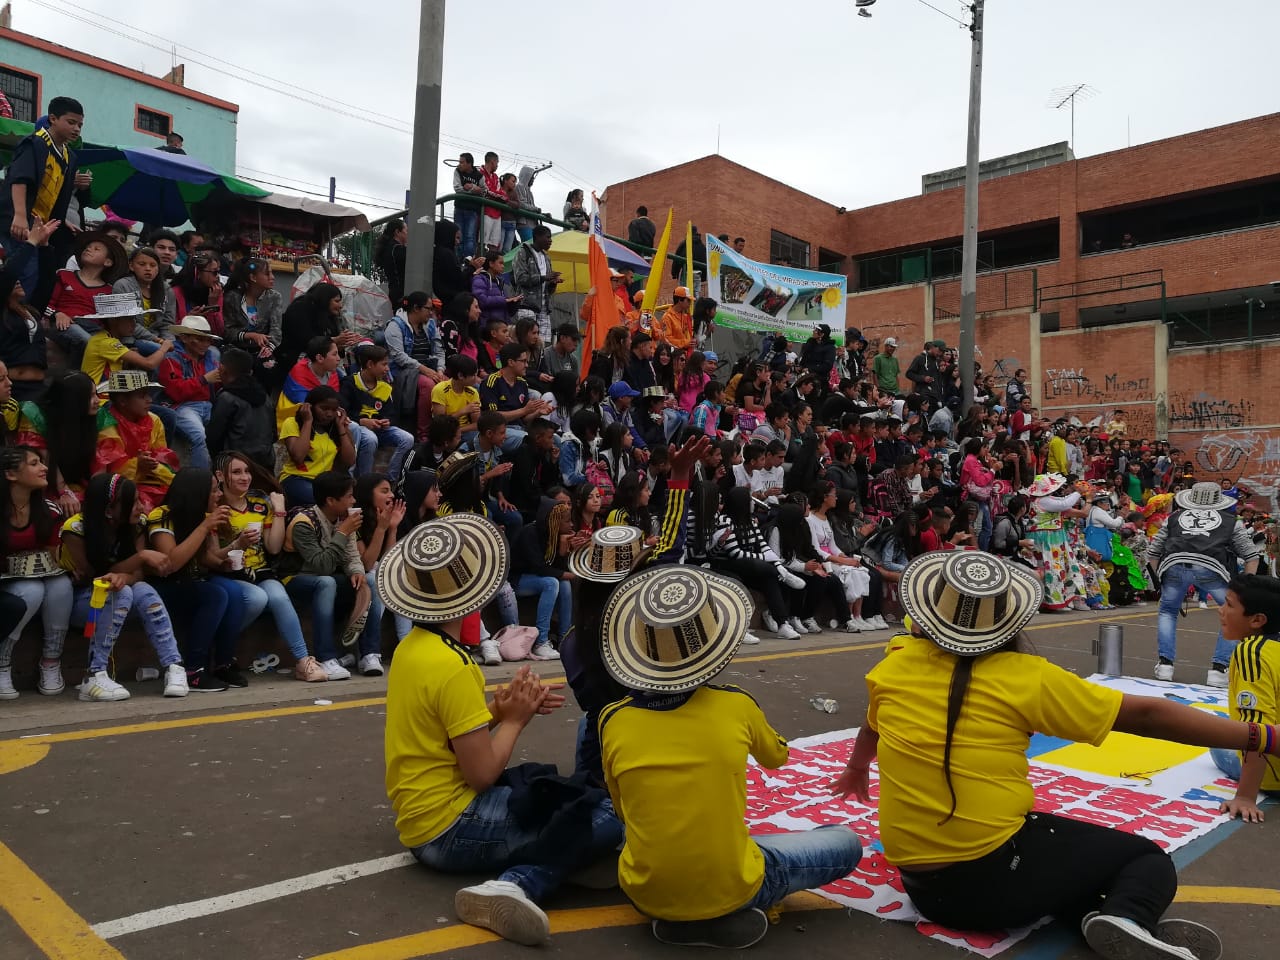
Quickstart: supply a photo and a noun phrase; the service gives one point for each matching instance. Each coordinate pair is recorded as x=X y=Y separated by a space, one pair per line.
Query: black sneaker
x=231 y=675
x=202 y=681
x=737 y=931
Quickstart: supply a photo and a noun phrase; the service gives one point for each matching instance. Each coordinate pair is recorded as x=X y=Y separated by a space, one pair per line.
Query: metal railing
x=1012 y=289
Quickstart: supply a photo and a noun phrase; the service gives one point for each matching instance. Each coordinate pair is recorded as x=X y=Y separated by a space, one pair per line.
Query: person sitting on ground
x=256 y=525
x=188 y=376
x=103 y=550
x=321 y=567
x=1251 y=615
x=368 y=399
x=447 y=749
x=675 y=759
x=131 y=439
x=241 y=417
x=317 y=438
x=30 y=573
x=951 y=709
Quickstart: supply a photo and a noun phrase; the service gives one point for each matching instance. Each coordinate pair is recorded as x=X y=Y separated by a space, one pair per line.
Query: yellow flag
x=659 y=267
x=689 y=265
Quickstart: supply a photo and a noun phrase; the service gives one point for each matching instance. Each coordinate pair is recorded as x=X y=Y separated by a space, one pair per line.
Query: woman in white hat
x=1051 y=505
x=447 y=750
x=949 y=716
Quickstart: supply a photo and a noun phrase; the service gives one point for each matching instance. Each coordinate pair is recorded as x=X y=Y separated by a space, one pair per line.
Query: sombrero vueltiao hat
x=1203 y=496
x=127 y=381
x=443 y=569
x=1045 y=484
x=968 y=602
x=454 y=466
x=673 y=627
x=108 y=306
x=610 y=555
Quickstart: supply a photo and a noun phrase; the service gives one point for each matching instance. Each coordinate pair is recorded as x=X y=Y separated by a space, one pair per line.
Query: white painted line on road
x=136 y=923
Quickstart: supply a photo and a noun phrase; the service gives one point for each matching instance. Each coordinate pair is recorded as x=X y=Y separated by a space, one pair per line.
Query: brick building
x=1146 y=279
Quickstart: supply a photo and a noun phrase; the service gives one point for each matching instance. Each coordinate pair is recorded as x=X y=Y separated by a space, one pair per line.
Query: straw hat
x=610 y=555
x=108 y=306
x=968 y=602
x=1203 y=496
x=673 y=627
x=194 y=326
x=127 y=381
x=443 y=569
x=1045 y=484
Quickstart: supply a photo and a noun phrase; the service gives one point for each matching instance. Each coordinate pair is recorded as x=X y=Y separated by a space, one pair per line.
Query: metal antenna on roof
x=1061 y=96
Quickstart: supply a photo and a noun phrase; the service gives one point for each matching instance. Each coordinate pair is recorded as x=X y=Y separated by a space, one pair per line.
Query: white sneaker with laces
x=790 y=579
x=1164 y=671
x=7 y=690
x=489 y=654
x=101 y=688
x=1216 y=678
x=767 y=621
x=877 y=623
x=1204 y=605
x=544 y=651
x=1119 y=938
x=750 y=640
x=51 y=682
x=175 y=680
x=852 y=625
x=333 y=670
x=501 y=906
x=371 y=665
x=812 y=625
x=862 y=625
x=784 y=632
x=795 y=624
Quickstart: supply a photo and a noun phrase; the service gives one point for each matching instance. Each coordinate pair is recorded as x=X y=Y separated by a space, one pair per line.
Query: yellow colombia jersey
x=678 y=778
x=1010 y=696
x=435 y=693
x=375 y=401
x=1253 y=691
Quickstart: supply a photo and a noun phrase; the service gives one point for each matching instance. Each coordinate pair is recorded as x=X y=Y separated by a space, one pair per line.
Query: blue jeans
x=510 y=520
x=515 y=437
x=805 y=860
x=203 y=605
x=526 y=234
x=52 y=597
x=508 y=235
x=330 y=597
x=297 y=491
x=1173 y=589
x=486 y=835
x=371 y=440
x=189 y=420
x=1228 y=761
x=553 y=594
x=168 y=419
x=371 y=636
x=366 y=444
x=467 y=220
x=140 y=599
x=247 y=600
x=984 y=525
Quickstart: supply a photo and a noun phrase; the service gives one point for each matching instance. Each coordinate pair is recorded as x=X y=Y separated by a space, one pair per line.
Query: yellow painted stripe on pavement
x=60 y=932
x=1253 y=896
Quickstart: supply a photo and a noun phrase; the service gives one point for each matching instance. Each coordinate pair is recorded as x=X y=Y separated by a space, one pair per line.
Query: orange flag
x=604 y=314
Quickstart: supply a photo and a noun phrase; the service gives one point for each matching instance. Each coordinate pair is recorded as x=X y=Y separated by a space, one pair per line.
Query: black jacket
x=243 y=419
x=448 y=277
x=818 y=357
x=27 y=167
x=922 y=368
x=533 y=472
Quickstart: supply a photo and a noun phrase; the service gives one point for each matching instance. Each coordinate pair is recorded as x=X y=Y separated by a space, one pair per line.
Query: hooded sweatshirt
x=524 y=196
x=448 y=278
x=242 y=420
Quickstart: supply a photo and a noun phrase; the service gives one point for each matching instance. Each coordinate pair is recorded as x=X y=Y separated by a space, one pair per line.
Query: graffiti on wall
x=1251 y=457
x=1205 y=412
x=1068 y=384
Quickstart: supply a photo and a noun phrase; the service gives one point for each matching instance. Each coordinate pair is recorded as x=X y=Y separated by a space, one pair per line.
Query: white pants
x=856 y=580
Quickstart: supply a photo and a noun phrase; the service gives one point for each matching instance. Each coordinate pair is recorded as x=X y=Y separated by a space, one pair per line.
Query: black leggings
x=757 y=575
x=805 y=603
x=1053 y=866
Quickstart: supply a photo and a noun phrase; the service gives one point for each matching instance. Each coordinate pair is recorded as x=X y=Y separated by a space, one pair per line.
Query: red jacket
x=182 y=377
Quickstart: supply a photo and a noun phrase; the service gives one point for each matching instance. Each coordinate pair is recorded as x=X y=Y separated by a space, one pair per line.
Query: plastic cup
x=236 y=557
x=255 y=526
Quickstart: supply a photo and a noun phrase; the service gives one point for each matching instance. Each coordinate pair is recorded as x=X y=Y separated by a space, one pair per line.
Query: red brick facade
x=1212 y=401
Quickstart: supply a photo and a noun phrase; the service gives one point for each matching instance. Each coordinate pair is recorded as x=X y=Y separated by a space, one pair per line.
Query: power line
x=325 y=196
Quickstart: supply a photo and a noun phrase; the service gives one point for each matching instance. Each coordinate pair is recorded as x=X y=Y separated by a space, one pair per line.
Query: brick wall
x=1092 y=373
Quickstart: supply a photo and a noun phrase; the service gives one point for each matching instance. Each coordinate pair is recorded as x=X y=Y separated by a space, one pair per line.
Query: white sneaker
x=812 y=625
x=544 y=651
x=1164 y=671
x=175 y=680
x=862 y=625
x=489 y=654
x=784 y=632
x=1118 y=938
x=7 y=690
x=1204 y=605
x=767 y=621
x=795 y=624
x=333 y=670
x=877 y=623
x=852 y=625
x=371 y=665
x=1216 y=678
x=501 y=906
x=51 y=683
x=101 y=688
x=750 y=640
x=790 y=579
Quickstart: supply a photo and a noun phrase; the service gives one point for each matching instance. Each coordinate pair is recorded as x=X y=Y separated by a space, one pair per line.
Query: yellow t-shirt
x=12 y=414
x=678 y=780
x=1010 y=696
x=434 y=694
x=320 y=457
x=1253 y=691
x=102 y=356
x=74 y=524
x=257 y=509
x=454 y=402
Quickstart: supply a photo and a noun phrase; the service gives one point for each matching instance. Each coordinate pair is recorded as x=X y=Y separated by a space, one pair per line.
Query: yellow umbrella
x=569 y=256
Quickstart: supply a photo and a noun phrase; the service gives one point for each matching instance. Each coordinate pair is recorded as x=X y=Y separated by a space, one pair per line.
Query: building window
x=153 y=122
x=23 y=91
x=787 y=250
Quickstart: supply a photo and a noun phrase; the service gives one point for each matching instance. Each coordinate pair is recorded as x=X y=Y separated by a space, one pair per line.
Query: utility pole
x=969 y=250
x=426 y=148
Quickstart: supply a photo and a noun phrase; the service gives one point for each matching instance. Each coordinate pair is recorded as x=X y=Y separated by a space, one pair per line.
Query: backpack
x=597 y=475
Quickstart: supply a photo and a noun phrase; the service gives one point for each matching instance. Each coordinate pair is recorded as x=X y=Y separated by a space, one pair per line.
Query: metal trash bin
x=1109 y=647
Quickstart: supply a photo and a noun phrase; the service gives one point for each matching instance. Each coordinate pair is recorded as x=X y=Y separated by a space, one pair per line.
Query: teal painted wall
x=109 y=102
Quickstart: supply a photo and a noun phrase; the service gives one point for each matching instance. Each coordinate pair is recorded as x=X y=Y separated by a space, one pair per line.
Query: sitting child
x=131 y=439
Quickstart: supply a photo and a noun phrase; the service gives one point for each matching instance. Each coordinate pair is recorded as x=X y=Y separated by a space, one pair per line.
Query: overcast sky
x=852 y=110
